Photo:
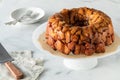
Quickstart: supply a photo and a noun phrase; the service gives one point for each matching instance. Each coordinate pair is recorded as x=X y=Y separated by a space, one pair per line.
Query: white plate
x=36 y=35
x=37 y=12
x=79 y=63
x=42 y=28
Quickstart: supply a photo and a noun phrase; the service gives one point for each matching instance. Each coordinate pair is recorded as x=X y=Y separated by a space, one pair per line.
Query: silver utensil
x=27 y=15
x=6 y=59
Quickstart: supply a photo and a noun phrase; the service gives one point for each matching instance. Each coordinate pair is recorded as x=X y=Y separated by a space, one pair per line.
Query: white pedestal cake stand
x=80 y=64
x=76 y=62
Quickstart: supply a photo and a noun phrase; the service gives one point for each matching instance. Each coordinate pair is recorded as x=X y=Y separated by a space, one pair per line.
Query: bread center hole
x=81 y=23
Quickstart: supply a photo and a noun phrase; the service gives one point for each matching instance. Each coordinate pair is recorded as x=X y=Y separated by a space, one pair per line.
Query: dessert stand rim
x=39 y=31
x=79 y=63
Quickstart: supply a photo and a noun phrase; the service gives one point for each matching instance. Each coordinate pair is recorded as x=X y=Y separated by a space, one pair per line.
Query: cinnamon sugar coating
x=80 y=31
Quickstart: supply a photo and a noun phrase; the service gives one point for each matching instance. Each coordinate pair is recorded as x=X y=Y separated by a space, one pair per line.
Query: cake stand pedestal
x=75 y=62
x=80 y=64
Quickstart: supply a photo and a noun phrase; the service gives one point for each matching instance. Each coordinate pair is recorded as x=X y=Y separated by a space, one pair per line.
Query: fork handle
x=14 y=70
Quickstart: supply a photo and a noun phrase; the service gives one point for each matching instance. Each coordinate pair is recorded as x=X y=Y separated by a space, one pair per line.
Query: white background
x=19 y=37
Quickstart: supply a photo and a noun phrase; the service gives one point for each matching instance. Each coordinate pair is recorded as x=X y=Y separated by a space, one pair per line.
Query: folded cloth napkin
x=31 y=67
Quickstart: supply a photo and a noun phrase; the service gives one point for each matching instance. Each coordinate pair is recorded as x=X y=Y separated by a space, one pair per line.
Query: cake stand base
x=75 y=62
x=80 y=64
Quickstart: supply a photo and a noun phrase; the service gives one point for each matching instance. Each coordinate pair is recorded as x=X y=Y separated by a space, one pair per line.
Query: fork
x=23 y=17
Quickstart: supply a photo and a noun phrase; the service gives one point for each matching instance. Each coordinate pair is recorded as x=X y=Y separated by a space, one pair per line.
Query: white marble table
x=18 y=37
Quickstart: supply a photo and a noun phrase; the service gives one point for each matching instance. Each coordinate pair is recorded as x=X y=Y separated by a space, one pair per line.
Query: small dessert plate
x=27 y=15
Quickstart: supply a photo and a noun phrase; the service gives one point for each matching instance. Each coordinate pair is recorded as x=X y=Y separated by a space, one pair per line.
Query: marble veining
x=19 y=37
